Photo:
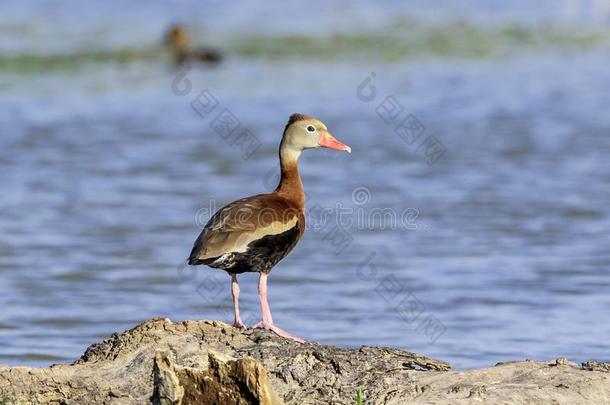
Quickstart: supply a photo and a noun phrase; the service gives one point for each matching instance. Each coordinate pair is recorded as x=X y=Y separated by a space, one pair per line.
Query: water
x=106 y=173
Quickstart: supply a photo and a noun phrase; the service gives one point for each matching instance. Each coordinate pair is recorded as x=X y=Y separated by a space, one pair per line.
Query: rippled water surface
x=106 y=173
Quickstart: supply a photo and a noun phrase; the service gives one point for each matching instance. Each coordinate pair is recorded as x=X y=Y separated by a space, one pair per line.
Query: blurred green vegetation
x=455 y=40
x=404 y=39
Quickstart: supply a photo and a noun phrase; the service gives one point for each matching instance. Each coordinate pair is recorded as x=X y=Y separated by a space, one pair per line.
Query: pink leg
x=235 y=294
x=267 y=322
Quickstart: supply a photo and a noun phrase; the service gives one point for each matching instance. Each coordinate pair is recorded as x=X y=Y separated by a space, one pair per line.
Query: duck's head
x=305 y=132
x=177 y=38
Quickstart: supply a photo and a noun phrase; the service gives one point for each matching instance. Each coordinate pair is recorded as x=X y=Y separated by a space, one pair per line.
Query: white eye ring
x=311 y=129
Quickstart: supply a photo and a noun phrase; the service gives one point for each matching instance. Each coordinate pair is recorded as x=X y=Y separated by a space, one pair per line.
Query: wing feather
x=236 y=225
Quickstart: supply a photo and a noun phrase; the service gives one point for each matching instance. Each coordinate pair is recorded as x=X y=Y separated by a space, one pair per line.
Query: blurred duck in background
x=179 y=42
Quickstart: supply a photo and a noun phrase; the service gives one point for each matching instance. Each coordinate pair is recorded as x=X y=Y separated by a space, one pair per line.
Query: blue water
x=496 y=251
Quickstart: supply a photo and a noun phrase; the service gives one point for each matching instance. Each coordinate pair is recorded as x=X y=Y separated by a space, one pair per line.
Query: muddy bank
x=209 y=362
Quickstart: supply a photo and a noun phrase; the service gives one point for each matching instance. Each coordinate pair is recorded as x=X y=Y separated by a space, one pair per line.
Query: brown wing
x=241 y=222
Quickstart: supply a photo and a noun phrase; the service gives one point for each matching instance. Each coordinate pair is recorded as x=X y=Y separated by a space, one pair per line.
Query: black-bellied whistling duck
x=253 y=234
x=179 y=42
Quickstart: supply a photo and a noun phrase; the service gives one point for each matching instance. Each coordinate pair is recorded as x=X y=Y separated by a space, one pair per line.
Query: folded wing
x=234 y=227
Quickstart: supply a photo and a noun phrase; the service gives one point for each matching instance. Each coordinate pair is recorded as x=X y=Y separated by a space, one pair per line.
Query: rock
x=168 y=388
x=594 y=365
x=225 y=381
x=209 y=362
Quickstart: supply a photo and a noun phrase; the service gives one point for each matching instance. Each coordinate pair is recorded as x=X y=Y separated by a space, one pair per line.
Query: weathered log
x=209 y=362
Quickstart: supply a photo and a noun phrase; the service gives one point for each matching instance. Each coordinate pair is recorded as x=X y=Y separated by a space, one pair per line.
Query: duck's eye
x=311 y=128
